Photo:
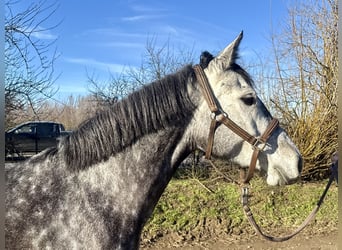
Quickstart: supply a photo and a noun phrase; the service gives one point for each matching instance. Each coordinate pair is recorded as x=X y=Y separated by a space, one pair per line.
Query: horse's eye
x=248 y=100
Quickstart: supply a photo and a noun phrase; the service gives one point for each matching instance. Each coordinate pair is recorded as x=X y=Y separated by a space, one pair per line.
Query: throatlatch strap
x=213 y=126
x=206 y=89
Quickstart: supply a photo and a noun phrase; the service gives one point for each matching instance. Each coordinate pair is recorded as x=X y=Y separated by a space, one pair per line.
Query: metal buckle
x=213 y=115
x=259 y=144
x=244 y=196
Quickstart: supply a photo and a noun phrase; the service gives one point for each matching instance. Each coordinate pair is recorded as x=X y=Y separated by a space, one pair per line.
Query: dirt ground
x=303 y=241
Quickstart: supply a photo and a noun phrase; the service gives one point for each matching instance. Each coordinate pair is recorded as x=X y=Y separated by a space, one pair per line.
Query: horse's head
x=234 y=94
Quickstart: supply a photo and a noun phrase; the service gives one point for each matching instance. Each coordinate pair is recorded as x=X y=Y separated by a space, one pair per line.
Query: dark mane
x=205 y=59
x=158 y=105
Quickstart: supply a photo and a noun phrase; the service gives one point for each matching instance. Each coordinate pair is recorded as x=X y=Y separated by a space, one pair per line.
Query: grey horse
x=99 y=186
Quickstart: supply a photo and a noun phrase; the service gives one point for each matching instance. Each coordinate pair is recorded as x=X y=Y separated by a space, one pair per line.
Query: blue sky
x=104 y=36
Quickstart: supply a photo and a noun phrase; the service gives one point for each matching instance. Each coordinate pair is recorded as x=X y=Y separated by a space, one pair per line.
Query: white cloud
x=91 y=63
x=112 y=32
x=140 y=18
x=42 y=33
x=123 y=44
x=134 y=18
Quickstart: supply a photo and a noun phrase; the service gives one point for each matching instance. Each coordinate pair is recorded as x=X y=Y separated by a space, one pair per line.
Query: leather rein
x=219 y=117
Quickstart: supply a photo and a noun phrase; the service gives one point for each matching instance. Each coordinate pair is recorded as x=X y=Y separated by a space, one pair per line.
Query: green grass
x=186 y=206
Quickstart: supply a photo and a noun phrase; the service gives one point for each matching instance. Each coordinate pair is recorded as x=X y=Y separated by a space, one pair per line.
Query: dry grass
x=303 y=84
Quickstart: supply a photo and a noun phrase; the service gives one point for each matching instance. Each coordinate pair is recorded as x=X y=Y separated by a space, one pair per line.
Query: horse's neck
x=133 y=180
x=151 y=158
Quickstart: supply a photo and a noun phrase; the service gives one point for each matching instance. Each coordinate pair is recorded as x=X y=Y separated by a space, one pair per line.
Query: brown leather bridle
x=218 y=117
x=258 y=143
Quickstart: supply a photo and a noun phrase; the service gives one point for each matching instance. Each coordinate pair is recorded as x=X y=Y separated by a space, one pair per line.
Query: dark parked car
x=33 y=137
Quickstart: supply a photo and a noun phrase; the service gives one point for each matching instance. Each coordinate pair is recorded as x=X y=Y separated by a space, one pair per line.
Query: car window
x=62 y=127
x=46 y=130
x=56 y=129
x=26 y=129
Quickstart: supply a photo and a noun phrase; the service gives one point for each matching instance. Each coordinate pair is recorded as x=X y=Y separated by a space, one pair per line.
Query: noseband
x=219 y=117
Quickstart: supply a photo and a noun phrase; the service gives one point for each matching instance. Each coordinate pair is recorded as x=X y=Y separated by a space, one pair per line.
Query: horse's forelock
x=205 y=59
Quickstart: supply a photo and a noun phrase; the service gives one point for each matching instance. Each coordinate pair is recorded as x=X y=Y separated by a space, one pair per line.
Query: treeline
x=70 y=112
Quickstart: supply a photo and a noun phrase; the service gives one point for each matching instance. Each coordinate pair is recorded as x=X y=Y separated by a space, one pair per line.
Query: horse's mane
x=158 y=105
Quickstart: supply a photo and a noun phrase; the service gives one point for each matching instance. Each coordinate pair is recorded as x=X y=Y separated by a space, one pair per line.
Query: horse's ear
x=229 y=55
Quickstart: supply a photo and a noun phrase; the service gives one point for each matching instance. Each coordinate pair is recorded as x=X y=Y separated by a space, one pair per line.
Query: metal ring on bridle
x=259 y=142
x=214 y=115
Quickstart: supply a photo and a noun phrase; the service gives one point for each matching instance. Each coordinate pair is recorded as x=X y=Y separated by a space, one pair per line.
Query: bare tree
x=303 y=84
x=73 y=112
x=157 y=62
x=29 y=59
